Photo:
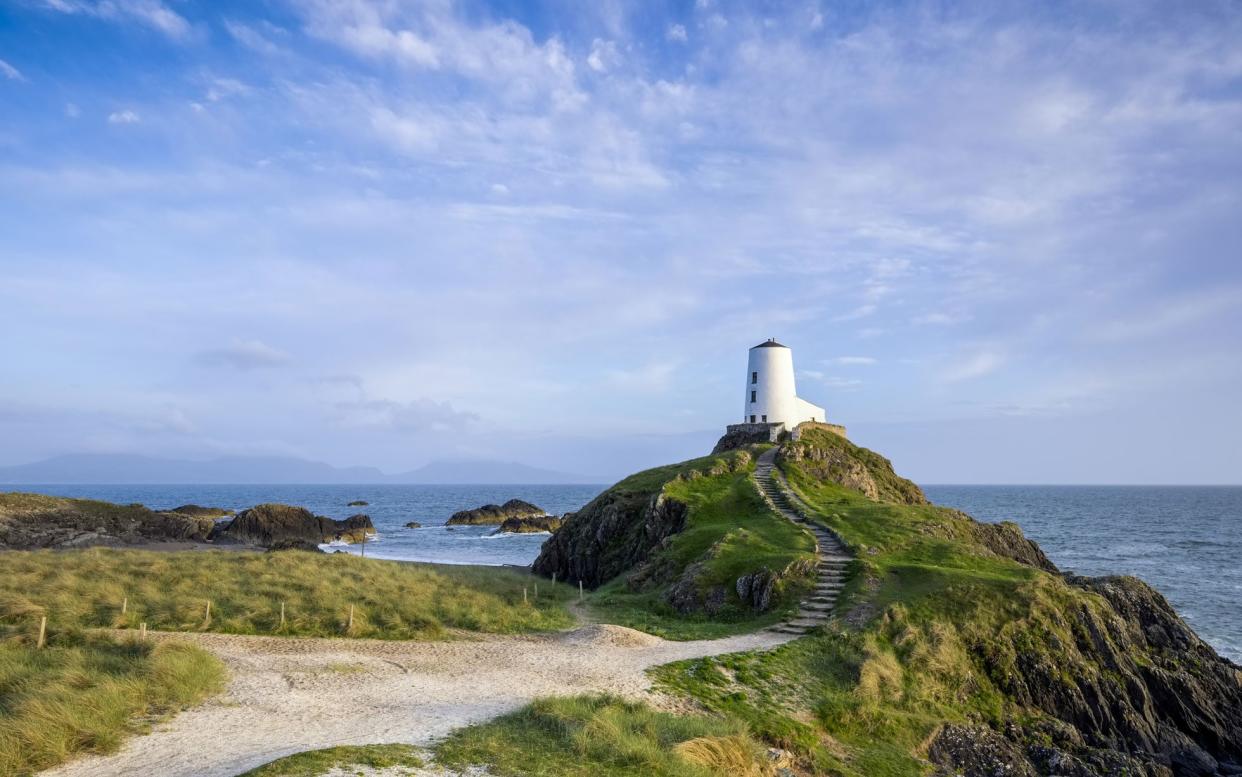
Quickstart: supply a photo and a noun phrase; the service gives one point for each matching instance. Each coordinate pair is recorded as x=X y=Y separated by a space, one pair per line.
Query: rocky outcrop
x=269 y=524
x=358 y=503
x=413 y=525
x=740 y=436
x=198 y=511
x=530 y=525
x=832 y=458
x=30 y=521
x=303 y=545
x=615 y=532
x=494 y=515
x=1134 y=692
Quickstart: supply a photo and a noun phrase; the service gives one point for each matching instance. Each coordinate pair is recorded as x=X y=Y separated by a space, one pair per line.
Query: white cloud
x=417 y=415
x=123 y=117
x=853 y=360
x=10 y=72
x=603 y=55
x=676 y=32
x=244 y=355
x=973 y=366
x=72 y=110
x=150 y=13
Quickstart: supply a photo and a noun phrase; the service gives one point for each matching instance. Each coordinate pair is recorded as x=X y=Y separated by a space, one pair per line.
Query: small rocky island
x=530 y=525
x=495 y=515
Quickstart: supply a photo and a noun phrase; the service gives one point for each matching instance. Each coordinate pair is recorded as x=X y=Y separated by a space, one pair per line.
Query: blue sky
x=1002 y=238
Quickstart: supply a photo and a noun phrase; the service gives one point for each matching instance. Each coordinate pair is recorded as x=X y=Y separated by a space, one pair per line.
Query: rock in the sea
x=413 y=525
x=530 y=525
x=494 y=515
x=358 y=503
x=268 y=524
x=198 y=511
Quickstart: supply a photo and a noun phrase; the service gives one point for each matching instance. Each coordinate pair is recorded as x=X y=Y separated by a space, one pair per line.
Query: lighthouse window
x=752 y=419
x=754 y=378
x=765 y=419
x=752 y=396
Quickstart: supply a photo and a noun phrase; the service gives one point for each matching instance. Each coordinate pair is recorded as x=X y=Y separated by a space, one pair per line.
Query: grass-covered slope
x=84 y=693
x=958 y=646
x=665 y=549
x=170 y=591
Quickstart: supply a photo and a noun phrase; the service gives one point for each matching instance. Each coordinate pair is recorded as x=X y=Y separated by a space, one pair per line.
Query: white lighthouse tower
x=771 y=397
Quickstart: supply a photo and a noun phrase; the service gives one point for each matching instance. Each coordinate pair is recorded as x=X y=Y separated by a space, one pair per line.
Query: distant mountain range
x=121 y=468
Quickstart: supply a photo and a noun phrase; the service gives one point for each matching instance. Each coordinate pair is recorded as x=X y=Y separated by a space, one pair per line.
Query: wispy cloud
x=149 y=13
x=124 y=117
x=853 y=360
x=244 y=355
x=10 y=72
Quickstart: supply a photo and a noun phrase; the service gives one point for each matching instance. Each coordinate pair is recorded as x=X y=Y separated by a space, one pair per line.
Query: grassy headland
x=683 y=586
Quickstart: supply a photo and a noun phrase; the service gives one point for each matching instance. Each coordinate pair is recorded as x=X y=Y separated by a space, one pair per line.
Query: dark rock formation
x=268 y=524
x=36 y=521
x=413 y=525
x=1137 y=692
x=530 y=525
x=358 y=503
x=202 y=512
x=615 y=532
x=303 y=545
x=494 y=515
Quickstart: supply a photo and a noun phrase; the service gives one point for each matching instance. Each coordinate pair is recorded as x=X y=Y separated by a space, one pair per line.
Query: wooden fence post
x=524 y=599
x=282 y=615
x=207 y=615
x=579 y=591
x=142 y=632
x=536 y=592
x=125 y=605
x=350 y=625
x=42 y=633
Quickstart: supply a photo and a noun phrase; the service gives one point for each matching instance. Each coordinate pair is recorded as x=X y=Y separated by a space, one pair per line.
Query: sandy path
x=290 y=695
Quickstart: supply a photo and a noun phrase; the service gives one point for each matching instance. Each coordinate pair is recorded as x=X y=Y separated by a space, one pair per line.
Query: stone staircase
x=833 y=559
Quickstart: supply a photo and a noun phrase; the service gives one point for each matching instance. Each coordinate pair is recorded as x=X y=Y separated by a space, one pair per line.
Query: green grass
x=170 y=591
x=603 y=736
x=86 y=693
x=924 y=602
x=730 y=532
x=318 y=762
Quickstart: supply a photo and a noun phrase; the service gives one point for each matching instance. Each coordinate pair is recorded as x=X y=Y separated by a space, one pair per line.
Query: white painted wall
x=770 y=381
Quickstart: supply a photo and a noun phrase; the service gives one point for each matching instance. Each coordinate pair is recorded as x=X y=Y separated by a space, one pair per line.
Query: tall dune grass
x=170 y=591
x=85 y=693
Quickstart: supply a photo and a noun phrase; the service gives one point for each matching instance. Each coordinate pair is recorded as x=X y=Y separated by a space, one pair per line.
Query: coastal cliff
x=957 y=647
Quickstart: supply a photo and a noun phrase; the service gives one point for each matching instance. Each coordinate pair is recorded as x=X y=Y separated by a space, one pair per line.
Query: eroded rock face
x=269 y=524
x=616 y=532
x=1136 y=692
x=530 y=525
x=494 y=515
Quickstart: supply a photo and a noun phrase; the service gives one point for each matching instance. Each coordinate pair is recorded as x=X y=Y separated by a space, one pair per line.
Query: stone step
x=815 y=607
x=807 y=623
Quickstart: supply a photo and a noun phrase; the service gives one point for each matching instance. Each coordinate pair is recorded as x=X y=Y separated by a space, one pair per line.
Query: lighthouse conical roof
x=770 y=343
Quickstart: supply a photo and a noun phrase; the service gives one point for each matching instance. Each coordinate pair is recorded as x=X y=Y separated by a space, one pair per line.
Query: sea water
x=1185 y=541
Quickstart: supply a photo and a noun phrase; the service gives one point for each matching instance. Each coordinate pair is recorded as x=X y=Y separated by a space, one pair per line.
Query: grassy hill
x=957 y=647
